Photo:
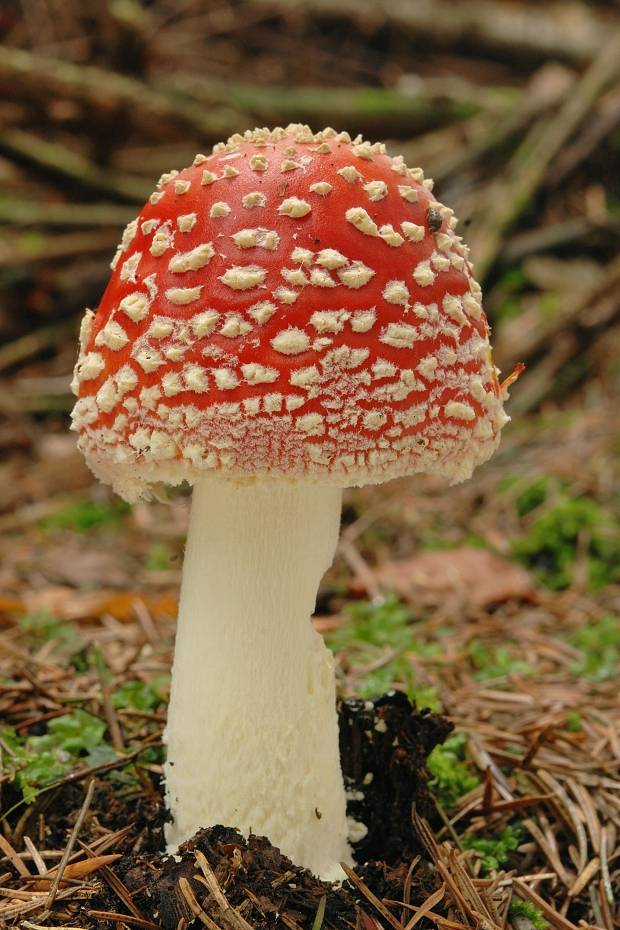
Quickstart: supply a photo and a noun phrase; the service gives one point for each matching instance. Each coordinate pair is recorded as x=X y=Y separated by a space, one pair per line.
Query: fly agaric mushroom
x=289 y=316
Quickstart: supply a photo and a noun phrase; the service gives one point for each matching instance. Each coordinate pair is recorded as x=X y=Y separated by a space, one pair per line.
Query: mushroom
x=289 y=316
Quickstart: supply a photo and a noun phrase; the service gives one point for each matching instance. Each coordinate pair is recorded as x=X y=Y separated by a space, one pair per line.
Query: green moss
x=599 y=645
x=86 y=515
x=527 y=911
x=399 y=674
x=32 y=243
x=385 y=624
x=508 y=294
x=158 y=558
x=531 y=494
x=372 y=629
x=494 y=851
x=495 y=661
x=452 y=775
x=572 y=722
x=42 y=626
x=552 y=543
x=549 y=304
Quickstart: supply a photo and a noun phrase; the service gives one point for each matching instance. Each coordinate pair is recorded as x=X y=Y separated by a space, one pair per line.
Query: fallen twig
x=29 y=74
x=508 y=195
x=574 y=326
x=121 y=918
x=13 y=353
x=566 y=31
x=432 y=102
x=230 y=914
x=555 y=235
x=54 y=159
x=34 y=213
x=371 y=897
x=22 y=250
x=70 y=844
x=189 y=896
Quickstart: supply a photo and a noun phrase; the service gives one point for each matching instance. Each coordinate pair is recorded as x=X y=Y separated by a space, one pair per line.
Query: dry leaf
x=82 y=567
x=476 y=576
x=69 y=604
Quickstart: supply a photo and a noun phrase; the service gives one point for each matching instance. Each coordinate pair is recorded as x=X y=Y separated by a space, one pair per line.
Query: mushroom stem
x=252 y=731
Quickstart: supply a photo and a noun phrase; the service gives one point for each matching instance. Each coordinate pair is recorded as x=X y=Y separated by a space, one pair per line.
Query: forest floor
x=495 y=602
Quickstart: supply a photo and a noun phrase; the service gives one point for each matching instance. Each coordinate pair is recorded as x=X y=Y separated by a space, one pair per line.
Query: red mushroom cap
x=294 y=305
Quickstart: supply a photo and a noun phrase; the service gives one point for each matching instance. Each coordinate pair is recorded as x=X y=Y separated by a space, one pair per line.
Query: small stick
x=605 y=877
x=30 y=926
x=360 y=567
x=66 y=165
x=69 y=847
x=25 y=347
x=36 y=856
x=585 y=877
x=370 y=896
x=38 y=900
x=604 y=906
x=197 y=911
x=510 y=194
x=320 y=914
x=545 y=238
x=407 y=886
x=428 y=905
x=14 y=858
x=114 y=726
x=156 y=112
x=509 y=29
x=439 y=919
x=31 y=213
x=230 y=914
x=123 y=918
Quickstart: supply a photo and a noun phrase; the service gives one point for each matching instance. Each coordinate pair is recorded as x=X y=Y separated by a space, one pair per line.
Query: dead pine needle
x=370 y=896
x=317 y=923
x=90 y=790
x=29 y=925
x=230 y=914
x=188 y=895
x=428 y=905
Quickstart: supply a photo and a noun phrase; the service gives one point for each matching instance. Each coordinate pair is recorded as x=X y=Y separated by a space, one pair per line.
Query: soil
x=384 y=744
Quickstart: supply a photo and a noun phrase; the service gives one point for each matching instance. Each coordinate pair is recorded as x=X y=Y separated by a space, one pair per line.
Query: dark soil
x=384 y=745
x=386 y=738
